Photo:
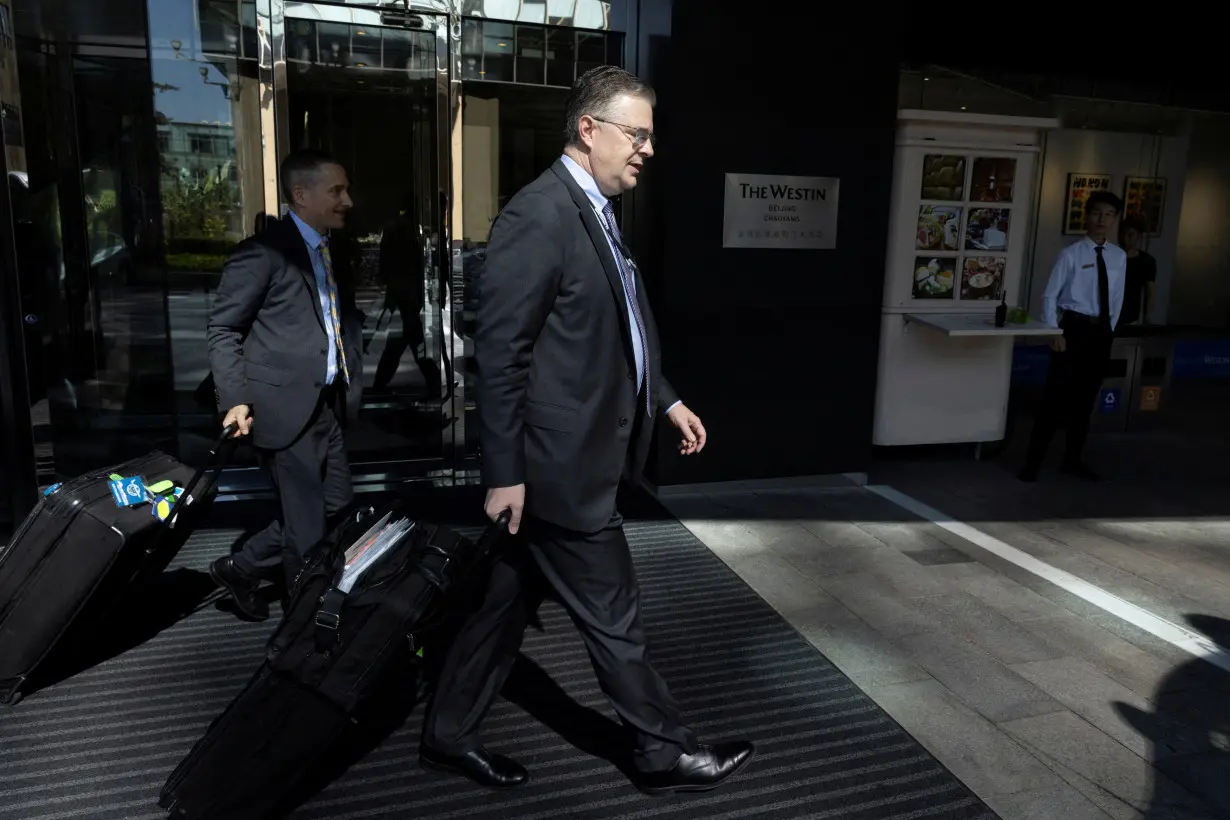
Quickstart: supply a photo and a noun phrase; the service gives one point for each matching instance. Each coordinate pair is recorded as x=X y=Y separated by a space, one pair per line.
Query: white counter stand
x=945 y=369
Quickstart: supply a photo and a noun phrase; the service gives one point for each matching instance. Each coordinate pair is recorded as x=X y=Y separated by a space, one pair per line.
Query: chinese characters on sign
x=1144 y=198
x=787 y=212
x=1080 y=186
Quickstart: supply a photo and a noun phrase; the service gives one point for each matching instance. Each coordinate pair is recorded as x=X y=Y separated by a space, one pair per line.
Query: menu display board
x=1145 y=199
x=964 y=225
x=992 y=179
x=934 y=277
x=982 y=277
x=1080 y=186
x=943 y=178
x=987 y=229
x=939 y=228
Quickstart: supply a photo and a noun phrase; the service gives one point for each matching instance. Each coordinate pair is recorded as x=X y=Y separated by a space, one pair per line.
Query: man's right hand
x=1058 y=344
x=500 y=499
x=240 y=416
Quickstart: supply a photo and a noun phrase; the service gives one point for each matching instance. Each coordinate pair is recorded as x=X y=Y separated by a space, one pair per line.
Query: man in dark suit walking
x=569 y=388
x=285 y=351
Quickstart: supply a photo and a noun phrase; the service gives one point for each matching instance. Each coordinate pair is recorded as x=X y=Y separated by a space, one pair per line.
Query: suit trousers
x=593 y=577
x=312 y=479
x=1072 y=385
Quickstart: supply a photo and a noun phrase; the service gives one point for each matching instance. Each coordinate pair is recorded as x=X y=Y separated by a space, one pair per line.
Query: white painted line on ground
x=1172 y=633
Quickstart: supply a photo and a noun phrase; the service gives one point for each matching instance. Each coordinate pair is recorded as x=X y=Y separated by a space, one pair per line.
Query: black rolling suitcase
x=331 y=652
x=78 y=553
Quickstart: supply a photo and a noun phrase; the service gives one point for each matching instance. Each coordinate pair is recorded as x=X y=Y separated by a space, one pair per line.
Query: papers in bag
x=368 y=550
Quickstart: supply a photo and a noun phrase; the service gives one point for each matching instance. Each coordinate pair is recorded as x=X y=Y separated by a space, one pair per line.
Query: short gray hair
x=594 y=94
x=300 y=168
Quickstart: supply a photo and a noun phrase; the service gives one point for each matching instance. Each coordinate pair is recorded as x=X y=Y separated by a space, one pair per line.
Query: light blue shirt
x=598 y=201
x=1074 y=282
x=313 y=240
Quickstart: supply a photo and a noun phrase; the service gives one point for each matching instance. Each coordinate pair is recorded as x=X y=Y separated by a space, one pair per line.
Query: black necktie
x=1103 y=290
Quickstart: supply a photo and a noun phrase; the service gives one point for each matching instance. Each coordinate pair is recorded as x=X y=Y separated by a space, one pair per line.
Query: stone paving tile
x=1008 y=597
x=986 y=663
x=877 y=602
x=780 y=583
x=856 y=648
x=1119 y=782
x=986 y=759
x=1057 y=800
x=979 y=680
x=1091 y=695
x=1125 y=663
x=964 y=616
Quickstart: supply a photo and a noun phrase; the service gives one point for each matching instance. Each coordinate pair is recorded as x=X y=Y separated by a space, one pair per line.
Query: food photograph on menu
x=943 y=178
x=982 y=277
x=992 y=179
x=987 y=229
x=1144 y=198
x=934 y=277
x=939 y=228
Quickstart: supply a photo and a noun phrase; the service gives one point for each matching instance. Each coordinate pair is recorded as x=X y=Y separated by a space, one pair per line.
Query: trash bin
x=1151 y=383
x=1110 y=413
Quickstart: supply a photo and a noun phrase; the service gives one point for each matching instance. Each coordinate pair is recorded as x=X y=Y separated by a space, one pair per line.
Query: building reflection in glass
x=211 y=177
x=367 y=93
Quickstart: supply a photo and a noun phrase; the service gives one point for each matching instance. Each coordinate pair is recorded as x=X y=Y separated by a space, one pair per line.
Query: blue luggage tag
x=128 y=492
x=163 y=504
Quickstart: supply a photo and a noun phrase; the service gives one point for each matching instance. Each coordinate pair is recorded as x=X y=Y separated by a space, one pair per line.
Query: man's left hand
x=689 y=426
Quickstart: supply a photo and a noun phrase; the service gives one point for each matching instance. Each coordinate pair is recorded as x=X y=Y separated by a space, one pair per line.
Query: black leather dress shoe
x=242 y=587
x=484 y=768
x=707 y=769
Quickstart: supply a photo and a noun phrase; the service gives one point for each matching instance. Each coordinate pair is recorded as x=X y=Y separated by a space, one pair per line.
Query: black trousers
x=312 y=479
x=1072 y=385
x=593 y=576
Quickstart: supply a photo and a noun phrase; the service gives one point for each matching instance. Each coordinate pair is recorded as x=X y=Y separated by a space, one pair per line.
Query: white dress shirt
x=597 y=201
x=313 y=241
x=1074 y=282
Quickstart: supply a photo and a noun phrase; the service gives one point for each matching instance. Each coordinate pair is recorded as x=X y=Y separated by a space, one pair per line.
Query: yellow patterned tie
x=331 y=285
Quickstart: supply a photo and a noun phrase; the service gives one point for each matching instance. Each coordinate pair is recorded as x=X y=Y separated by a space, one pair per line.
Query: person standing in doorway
x=569 y=389
x=1083 y=298
x=285 y=342
x=1141 y=273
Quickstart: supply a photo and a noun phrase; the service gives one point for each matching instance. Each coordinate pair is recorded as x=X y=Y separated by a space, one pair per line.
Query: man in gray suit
x=285 y=350
x=569 y=390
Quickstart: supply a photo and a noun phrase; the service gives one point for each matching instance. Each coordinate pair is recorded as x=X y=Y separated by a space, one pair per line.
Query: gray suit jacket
x=556 y=391
x=267 y=339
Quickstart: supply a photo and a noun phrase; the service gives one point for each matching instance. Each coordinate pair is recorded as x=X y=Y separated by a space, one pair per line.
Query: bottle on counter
x=1001 y=310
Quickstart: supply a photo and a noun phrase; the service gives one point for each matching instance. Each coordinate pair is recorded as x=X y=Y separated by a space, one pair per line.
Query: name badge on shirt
x=1090 y=265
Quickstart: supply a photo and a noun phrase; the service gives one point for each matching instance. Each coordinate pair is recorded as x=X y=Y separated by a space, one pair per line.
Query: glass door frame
x=16 y=424
x=454 y=465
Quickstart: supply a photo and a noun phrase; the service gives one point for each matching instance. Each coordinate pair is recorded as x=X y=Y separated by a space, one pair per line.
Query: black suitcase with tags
x=78 y=554
x=343 y=634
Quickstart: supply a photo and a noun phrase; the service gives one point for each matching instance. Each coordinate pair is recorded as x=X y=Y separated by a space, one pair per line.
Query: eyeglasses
x=639 y=136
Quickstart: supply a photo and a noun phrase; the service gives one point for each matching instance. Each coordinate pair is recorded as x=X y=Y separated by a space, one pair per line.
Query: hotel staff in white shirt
x=1083 y=298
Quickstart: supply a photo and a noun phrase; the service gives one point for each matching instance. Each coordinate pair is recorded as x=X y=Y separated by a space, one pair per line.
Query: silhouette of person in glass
x=401 y=269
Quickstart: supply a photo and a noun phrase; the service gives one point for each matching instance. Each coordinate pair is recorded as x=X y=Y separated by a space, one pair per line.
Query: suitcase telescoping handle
x=221 y=454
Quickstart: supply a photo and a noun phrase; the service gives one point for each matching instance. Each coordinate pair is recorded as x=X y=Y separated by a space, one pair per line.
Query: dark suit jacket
x=556 y=391
x=267 y=338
